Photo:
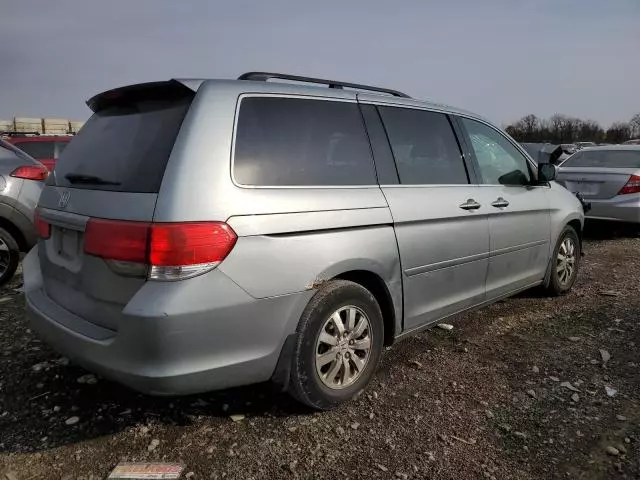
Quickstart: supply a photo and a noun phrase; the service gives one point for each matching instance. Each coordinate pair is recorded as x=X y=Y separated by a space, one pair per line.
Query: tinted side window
x=37 y=149
x=294 y=141
x=500 y=162
x=424 y=146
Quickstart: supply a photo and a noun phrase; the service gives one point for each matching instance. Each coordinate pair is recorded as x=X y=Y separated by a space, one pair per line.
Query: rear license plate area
x=585 y=188
x=66 y=243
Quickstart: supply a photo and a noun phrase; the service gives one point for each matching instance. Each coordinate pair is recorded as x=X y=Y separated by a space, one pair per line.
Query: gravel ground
x=516 y=390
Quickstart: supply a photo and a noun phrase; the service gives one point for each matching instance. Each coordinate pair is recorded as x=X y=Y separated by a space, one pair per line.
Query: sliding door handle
x=470 y=204
x=500 y=203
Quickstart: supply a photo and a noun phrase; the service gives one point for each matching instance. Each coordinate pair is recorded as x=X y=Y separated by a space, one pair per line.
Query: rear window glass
x=124 y=147
x=293 y=141
x=604 y=158
x=11 y=152
x=37 y=149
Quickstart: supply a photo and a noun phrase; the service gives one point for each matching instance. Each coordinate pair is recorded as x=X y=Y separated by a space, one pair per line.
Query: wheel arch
x=15 y=232
x=379 y=289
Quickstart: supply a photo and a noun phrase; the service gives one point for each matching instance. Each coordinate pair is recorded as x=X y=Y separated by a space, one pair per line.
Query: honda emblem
x=64 y=198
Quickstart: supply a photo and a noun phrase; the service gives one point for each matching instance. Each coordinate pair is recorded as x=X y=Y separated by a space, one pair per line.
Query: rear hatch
x=599 y=174
x=111 y=170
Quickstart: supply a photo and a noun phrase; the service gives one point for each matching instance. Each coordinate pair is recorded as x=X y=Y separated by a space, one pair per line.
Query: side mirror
x=547 y=172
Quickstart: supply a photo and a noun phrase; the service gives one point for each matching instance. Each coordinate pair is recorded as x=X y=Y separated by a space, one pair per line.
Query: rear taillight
x=173 y=251
x=31 y=172
x=632 y=186
x=43 y=228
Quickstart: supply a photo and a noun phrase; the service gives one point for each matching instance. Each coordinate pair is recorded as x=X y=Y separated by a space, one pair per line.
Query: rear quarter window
x=296 y=142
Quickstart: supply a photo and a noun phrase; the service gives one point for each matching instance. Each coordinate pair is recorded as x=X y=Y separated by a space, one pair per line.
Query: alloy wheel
x=343 y=347
x=566 y=260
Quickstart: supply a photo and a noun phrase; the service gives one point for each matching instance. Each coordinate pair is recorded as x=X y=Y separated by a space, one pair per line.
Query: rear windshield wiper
x=88 y=179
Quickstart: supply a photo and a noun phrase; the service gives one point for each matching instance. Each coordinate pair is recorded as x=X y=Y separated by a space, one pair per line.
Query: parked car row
x=291 y=235
x=606 y=176
x=609 y=178
x=43 y=147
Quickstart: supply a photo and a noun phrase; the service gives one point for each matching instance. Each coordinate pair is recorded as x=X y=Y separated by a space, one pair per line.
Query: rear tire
x=9 y=256
x=565 y=263
x=340 y=341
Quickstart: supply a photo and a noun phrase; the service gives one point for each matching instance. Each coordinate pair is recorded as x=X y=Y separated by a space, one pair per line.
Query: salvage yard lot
x=516 y=390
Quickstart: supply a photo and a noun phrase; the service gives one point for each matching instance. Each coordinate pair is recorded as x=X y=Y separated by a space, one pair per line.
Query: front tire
x=9 y=256
x=565 y=263
x=340 y=341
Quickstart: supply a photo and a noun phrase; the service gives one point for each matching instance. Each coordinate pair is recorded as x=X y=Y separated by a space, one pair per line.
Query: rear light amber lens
x=31 y=172
x=173 y=250
x=632 y=186
x=43 y=228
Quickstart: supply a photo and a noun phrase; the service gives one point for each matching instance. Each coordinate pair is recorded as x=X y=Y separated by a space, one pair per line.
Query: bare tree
x=556 y=124
x=634 y=126
x=618 y=132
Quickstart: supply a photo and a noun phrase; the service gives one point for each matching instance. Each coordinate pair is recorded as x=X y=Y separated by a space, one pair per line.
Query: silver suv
x=202 y=234
x=21 y=181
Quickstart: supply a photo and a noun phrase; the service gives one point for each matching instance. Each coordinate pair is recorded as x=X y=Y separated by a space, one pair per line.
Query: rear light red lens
x=31 y=172
x=159 y=244
x=43 y=228
x=117 y=240
x=632 y=186
x=175 y=244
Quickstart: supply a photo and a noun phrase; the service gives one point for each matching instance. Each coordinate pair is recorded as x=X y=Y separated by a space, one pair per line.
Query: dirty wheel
x=9 y=256
x=564 y=263
x=340 y=339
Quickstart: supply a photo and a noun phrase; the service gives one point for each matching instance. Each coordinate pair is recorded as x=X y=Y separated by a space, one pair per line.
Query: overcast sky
x=500 y=58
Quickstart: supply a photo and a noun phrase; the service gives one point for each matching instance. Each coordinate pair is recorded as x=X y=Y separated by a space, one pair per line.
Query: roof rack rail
x=264 y=76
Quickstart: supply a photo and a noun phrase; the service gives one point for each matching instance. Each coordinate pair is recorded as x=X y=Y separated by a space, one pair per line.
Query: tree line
x=565 y=129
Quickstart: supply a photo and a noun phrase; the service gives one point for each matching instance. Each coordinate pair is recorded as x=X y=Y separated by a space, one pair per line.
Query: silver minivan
x=203 y=234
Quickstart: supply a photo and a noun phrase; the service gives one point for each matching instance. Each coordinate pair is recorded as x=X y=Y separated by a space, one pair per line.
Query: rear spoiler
x=142 y=91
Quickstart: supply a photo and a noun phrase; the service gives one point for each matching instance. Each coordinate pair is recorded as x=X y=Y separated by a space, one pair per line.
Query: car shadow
x=46 y=403
x=602 y=230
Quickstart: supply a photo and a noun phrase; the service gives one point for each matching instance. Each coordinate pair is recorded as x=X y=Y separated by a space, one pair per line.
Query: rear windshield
x=604 y=158
x=37 y=149
x=125 y=147
x=10 y=152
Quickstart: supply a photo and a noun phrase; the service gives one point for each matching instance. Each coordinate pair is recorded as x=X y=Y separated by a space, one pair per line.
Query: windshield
x=605 y=158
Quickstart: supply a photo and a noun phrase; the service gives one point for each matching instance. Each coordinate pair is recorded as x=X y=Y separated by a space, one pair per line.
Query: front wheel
x=564 y=263
x=340 y=340
x=9 y=256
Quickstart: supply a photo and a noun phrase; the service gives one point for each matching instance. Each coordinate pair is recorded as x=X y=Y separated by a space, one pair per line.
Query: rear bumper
x=622 y=208
x=173 y=342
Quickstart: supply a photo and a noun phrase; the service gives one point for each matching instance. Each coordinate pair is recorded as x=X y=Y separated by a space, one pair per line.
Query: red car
x=44 y=148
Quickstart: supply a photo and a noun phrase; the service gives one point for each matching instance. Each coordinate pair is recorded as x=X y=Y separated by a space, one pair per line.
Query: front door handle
x=500 y=203
x=470 y=204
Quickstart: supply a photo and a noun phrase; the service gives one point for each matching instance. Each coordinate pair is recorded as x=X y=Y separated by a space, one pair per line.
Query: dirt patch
x=516 y=390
